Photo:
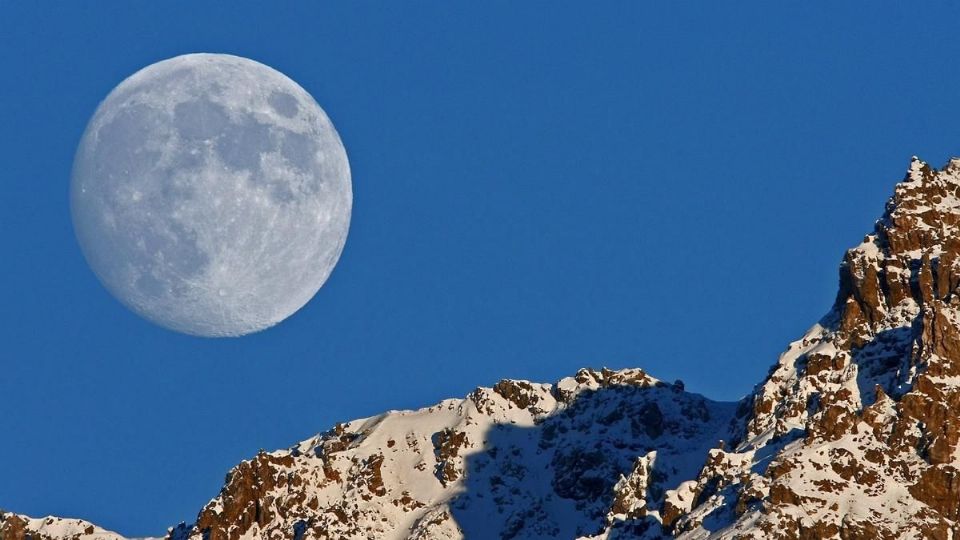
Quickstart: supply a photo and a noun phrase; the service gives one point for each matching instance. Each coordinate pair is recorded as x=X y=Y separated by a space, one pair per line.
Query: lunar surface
x=211 y=195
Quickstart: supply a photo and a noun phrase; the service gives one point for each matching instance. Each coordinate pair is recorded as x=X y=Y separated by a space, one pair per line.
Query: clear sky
x=538 y=187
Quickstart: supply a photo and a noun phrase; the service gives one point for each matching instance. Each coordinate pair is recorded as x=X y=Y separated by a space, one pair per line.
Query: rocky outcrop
x=632 y=492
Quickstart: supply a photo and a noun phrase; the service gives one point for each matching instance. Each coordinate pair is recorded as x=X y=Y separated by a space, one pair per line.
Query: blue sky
x=537 y=187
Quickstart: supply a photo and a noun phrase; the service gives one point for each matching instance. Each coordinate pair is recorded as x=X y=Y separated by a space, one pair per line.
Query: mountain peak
x=878 y=378
x=924 y=211
x=16 y=527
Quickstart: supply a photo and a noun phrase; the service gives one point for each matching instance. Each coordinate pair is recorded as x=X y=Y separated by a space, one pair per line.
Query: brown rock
x=446 y=448
x=939 y=488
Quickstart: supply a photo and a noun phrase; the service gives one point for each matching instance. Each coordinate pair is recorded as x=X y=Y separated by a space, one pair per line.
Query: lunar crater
x=284 y=104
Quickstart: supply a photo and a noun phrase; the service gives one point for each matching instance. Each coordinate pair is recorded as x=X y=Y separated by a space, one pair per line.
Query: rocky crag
x=853 y=434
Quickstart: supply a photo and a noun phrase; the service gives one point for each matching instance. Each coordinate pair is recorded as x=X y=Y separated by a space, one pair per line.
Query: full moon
x=211 y=195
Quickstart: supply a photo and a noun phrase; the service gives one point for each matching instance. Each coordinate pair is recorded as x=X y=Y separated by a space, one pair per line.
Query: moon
x=211 y=195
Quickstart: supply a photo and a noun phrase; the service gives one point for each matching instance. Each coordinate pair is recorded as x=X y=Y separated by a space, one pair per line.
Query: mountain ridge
x=852 y=434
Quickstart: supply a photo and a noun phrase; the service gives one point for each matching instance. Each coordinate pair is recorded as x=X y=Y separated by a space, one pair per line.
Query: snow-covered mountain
x=520 y=460
x=16 y=527
x=853 y=434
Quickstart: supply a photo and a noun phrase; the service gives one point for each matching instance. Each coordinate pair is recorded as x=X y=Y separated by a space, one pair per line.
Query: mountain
x=853 y=434
x=16 y=527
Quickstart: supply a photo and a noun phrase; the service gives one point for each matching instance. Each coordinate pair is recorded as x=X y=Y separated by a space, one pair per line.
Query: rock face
x=854 y=434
